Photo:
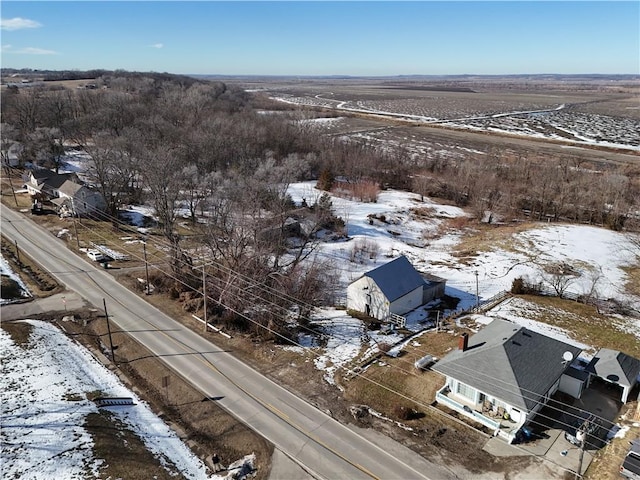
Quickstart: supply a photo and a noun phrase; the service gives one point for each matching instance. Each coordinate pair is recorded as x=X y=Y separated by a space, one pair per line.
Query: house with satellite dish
x=504 y=374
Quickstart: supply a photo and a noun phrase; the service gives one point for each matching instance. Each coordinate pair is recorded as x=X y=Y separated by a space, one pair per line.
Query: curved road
x=325 y=447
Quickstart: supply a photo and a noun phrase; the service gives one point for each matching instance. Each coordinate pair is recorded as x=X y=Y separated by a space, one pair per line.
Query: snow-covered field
x=544 y=120
x=589 y=250
x=42 y=419
x=598 y=255
x=44 y=405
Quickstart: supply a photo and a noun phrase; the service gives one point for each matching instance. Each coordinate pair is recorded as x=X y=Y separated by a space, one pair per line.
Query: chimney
x=463 y=342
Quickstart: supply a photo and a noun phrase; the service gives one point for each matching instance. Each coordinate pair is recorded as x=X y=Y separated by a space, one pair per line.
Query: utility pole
x=204 y=295
x=75 y=229
x=17 y=252
x=146 y=266
x=113 y=357
x=579 y=471
x=477 y=294
x=8 y=173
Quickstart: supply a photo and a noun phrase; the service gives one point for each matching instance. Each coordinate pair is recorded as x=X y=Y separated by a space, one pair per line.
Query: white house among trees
x=393 y=288
x=65 y=191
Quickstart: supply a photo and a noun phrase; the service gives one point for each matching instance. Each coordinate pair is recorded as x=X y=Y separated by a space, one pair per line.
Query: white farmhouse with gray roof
x=503 y=375
x=393 y=288
x=79 y=199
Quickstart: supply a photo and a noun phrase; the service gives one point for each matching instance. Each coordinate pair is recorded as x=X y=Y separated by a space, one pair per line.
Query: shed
x=393 y=288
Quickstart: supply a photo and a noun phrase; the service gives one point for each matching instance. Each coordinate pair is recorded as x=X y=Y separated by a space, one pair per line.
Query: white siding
x=365 y=292
x=571 y=386
x=408 y=302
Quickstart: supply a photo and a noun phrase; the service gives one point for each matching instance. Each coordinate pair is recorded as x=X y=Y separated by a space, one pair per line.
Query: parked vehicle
x=580 y=429
x=630 y=467
x=96 y=256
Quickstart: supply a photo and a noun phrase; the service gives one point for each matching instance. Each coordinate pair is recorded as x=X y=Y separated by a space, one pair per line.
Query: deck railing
x=475 y=415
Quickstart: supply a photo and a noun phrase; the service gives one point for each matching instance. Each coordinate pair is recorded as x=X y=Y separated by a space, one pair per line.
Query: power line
x=263 y=287
x=251 y=283
x=418 y=402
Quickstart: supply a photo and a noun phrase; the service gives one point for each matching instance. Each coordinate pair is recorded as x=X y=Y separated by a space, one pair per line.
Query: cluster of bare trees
x=181 y=144
x=199 y=147
x=540 y=187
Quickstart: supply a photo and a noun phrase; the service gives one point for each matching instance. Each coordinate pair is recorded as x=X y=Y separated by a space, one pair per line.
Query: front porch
x=495 y=420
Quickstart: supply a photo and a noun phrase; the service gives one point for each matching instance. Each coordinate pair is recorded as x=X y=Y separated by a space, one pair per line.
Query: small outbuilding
x=617 y=368
x=393 y=288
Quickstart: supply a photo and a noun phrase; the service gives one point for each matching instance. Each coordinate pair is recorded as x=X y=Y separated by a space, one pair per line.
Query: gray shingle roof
x=396 y=278
x=615 y=366
x=509 y=362
x=70 y=188
x=52 y=179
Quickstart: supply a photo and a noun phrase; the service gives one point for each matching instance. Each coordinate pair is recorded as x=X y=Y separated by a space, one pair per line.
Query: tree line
x=209 y=148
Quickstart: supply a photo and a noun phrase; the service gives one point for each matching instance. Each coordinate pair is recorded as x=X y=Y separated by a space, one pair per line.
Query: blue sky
x=324 y=38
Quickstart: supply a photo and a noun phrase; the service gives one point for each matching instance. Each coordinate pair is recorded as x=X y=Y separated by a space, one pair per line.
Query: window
x=466 y=391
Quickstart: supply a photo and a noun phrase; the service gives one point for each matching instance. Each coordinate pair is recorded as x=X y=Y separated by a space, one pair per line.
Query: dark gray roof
x=509 y=362
x=396 y=278
x=615 y=366
x=52 y=179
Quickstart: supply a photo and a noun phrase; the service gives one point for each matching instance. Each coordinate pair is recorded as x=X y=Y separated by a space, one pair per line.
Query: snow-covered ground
x=598 y=255
x=44 y=405
x=549 y=121
x=5 y=270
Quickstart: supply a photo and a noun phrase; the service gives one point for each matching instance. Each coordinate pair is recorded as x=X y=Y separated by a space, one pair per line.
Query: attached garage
x=617 y=368
x=573 y=382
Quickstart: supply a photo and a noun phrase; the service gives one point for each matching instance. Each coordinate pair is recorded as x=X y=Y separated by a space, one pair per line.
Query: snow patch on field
x=45 y=404
x=594 y=253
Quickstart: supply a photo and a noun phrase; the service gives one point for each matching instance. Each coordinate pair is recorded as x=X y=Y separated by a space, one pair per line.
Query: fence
x=398 y=320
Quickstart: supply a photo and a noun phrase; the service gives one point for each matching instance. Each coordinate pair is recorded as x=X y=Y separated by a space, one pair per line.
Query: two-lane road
x=324 y=446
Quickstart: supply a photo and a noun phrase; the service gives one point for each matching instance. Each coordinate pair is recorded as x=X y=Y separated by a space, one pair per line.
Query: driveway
x=553 y=420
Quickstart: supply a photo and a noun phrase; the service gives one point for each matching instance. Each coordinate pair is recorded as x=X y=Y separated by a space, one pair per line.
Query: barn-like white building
x=393 y=288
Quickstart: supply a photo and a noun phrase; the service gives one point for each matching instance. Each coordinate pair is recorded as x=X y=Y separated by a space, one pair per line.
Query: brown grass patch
x=38 y=281
x=19 y=332
x=485 y=238
x=633 y=279
x=584 y=323
x=123 y=452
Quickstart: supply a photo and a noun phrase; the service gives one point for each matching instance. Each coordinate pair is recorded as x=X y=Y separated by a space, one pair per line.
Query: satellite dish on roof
x=567 y=356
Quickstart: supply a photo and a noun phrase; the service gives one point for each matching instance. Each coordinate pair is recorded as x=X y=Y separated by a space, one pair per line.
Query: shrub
x=364 y=249
x=522 y=286
x=517 y=286
x=366 y=191
x=402 y=412
x=326 y=180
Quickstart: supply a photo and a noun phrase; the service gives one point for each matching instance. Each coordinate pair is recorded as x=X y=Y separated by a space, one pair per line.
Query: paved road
x=324 y=446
